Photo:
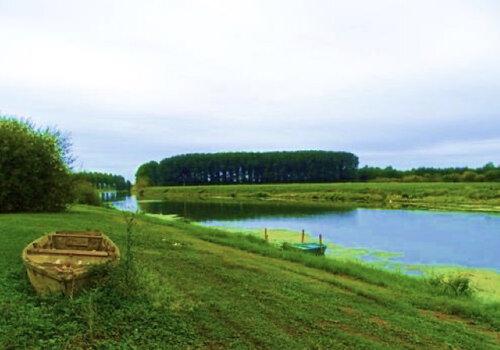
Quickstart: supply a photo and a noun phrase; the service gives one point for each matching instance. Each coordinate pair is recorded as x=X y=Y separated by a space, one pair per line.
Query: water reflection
x=109 y=196
x=202 y=211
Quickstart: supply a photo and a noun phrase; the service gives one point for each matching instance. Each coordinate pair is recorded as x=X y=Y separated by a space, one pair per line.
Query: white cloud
x=245 y=74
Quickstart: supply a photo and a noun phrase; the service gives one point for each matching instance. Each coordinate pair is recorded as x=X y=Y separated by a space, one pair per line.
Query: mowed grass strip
x=482 y=196
x=204 y=289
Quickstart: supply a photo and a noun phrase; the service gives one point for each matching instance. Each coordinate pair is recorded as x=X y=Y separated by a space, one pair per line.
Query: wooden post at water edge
x=320 y=239
x=302 y=238
x=266 y=236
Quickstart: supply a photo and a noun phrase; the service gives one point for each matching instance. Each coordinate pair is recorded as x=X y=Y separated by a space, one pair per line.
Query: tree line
x=249 y=167
x=104 y=180
x=488 y=172
x=298 y=166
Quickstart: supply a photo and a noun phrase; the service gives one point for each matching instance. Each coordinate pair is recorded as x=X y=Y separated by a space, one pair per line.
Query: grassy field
x=479 y=196
x=204 y=288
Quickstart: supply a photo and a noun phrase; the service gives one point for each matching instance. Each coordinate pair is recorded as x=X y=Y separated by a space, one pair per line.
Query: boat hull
x=311 y=248
x=45 y=284
x=62 y=262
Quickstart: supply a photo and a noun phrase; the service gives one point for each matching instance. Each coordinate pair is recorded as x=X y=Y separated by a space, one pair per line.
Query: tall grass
x=128 y=258
x=454 y=285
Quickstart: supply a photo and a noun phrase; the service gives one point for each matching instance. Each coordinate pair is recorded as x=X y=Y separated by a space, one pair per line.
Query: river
x=414 y=236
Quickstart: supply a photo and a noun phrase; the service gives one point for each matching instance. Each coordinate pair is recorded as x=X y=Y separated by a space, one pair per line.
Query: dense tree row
x=250 y=167
x=300 y=166
x=489 y=172
x=104 y=180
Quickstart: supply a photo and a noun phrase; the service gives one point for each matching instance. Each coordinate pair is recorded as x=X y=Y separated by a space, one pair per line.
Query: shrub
x=34 y=170
x=412 y=178
x=455 y=285
x=140 y=184
x=452 y=177
x=469 y=176
x=492 y=175
x=85 y=193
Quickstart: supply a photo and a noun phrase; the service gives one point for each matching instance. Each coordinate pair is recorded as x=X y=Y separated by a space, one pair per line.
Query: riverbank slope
x=477 y=196
x=201 y=287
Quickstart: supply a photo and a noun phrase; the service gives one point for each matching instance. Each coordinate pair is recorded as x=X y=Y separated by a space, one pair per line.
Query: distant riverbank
x=484 y=196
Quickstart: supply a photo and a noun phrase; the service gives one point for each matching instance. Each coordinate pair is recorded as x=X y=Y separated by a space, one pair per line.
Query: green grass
x=205 y=288
x=481 y=196
x=484 y=282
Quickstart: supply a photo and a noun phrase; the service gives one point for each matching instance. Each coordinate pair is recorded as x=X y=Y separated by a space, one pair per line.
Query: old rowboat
x=61 y=262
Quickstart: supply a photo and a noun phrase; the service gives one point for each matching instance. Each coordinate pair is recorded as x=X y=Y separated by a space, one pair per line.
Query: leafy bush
x=488 y=172
x=34 y=170
x=85 y=193
x=492 y=175
x=140 y=184
x=412 y=178
x=452 y=177
x=455 y=285
x=469 y=176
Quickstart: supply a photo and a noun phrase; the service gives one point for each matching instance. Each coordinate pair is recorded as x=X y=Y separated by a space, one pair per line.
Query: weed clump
x=453 y=285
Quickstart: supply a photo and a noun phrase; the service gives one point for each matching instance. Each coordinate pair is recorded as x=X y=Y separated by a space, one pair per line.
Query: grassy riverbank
x=202 y=287
x=436 y=195
x=484 y=282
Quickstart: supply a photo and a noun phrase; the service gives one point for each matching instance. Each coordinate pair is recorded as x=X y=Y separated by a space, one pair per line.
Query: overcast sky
x=405 y=83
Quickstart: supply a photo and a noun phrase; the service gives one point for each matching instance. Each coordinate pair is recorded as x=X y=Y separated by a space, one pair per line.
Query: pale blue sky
x=406 y=83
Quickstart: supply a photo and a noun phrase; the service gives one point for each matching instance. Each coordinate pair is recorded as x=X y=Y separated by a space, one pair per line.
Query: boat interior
x=71 y=248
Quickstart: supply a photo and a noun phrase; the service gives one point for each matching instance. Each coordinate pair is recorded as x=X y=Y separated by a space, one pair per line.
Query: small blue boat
x=313 y=248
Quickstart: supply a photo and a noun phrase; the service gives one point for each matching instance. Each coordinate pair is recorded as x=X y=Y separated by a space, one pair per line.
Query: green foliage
x=251 y=167
x=34 y=174
x=488 y=172
x=298 y=166
x=140 y=184
x=454 y=285
x=104 y=180
x=148 y=174
x=85 y=193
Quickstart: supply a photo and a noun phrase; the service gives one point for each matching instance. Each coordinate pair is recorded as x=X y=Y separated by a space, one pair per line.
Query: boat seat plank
x=68 y=252
x=70 y=235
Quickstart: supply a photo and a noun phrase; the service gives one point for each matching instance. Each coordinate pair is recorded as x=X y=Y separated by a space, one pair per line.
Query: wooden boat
x=313 y=248
x=60 y=262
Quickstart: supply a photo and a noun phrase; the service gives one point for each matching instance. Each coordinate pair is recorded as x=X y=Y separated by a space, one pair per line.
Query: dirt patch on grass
x=348 y=310
x=441 y=316
x=379 y=321
x=446 y=317
x=327 y=324
x=355 y=332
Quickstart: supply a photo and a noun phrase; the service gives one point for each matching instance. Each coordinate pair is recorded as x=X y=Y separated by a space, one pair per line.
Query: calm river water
x=421 y=237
